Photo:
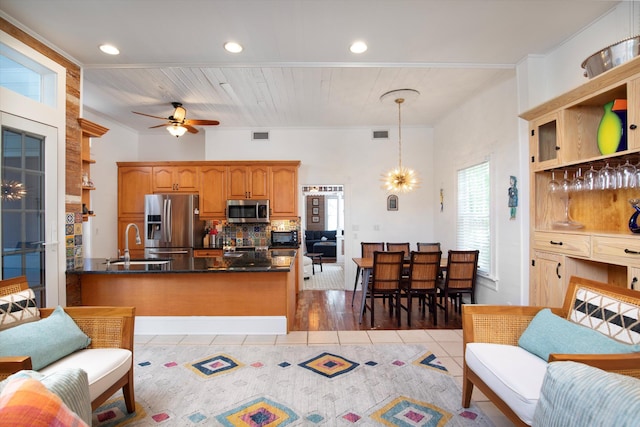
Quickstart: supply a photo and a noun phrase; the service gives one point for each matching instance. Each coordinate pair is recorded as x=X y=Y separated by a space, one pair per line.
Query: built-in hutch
x=586 y=234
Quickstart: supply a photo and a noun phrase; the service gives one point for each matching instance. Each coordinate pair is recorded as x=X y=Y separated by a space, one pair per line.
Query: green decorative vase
x=609 y=131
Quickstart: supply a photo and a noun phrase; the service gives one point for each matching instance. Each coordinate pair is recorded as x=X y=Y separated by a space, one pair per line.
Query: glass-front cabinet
x=584 y=170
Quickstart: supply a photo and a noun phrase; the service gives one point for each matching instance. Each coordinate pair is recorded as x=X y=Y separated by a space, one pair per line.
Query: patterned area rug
x=267 y=386
x=330 y=278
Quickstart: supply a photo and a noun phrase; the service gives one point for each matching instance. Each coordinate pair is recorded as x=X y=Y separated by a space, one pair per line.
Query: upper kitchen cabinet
x=89 y=130
x=284 y=191
x=248 y=182
x=134 y=182
x=213 y=192
x=172 y=179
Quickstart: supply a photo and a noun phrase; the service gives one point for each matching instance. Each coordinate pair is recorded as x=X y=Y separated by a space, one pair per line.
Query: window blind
x=473 y=216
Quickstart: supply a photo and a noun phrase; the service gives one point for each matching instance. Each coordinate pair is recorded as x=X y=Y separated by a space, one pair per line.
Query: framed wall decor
x=315 y=219
x=392 y=202
x=315 y=211
x=315 y=201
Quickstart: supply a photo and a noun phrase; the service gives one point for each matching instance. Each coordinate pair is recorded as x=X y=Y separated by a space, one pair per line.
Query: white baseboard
x=210 y=325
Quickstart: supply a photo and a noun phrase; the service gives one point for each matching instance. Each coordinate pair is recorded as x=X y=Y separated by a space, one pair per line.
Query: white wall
x=486 y=127
x=119 y=144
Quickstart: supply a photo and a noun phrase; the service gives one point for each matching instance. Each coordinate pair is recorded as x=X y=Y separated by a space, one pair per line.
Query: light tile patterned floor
x=445 y=343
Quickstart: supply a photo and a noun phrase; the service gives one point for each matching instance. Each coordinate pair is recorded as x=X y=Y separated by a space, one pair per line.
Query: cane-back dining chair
x=424 y=271
x=385 y=281
x=404 y=247
x=367 y=248
x=462 y=267
x=428 y=247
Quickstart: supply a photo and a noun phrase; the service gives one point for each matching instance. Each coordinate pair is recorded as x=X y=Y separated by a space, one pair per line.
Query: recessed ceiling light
x=233 y=47
x=109 y=49
x=358 y=47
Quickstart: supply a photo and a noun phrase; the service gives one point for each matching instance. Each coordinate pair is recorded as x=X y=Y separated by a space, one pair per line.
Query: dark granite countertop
x=271 y=261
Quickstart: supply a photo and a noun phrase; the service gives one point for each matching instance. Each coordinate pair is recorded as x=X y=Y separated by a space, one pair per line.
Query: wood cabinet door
x=284 y=192
x=633 y=114
x=186 y=178
x=259 y=182
x=238 y=182
x=213 y=192
x=175 y=178
x=133 y=183
x=550 y=284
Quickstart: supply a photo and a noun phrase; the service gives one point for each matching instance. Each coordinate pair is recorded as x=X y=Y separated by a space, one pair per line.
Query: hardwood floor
x=332 y=311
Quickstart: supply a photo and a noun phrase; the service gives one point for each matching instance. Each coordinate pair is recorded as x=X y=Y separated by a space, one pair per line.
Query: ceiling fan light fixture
x=233 y=47
x=176 y=130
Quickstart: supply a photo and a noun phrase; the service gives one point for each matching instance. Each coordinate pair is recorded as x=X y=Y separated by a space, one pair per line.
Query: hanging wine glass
x=565 y=182
x=591 y=179
x=607 y=178
x=554 y=185
x=626 y=175
x=578 y=181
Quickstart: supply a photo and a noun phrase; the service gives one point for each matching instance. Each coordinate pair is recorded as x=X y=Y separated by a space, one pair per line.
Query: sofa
x=575 y=394
x=508 y=349
x=321 y=241
x=99 y=340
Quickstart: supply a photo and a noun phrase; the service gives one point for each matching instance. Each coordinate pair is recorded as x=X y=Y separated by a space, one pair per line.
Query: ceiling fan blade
x=158 y=126
x=149 y=115
x=202 y=122
x=190 y=128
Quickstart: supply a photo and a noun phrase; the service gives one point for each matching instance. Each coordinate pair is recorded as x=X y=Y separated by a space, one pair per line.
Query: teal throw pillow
x=548 y=333
x=46 y=340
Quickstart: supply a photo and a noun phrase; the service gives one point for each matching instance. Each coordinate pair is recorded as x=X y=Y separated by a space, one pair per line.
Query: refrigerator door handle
x=164 y=221
x=169 y=220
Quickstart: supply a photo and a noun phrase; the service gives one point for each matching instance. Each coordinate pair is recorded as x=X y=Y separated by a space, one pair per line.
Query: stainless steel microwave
x=243 y=211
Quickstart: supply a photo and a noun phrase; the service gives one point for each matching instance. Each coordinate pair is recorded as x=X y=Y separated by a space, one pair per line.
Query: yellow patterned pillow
x=19 y=307
x=26 y=402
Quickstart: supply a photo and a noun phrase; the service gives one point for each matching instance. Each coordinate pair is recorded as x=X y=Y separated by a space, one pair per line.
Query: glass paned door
x=23 y=208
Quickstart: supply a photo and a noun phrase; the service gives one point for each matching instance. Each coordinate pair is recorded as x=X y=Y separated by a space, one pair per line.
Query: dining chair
x=367 y=250
x=429 y=247
x=404 y=247
x=385 y=281
x=462 y=267
x=424 y=271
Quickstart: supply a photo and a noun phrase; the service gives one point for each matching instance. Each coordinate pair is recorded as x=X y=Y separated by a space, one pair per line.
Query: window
x=26 y=77
x=474 y=219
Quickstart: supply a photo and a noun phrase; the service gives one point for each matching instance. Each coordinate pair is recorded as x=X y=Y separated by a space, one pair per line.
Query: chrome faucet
x=127 y=257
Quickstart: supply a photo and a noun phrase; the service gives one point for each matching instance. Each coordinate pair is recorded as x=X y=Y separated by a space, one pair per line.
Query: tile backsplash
x=240 y=235
x=73 y=240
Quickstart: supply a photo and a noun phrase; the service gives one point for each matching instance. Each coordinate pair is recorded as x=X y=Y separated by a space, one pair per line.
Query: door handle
x=558 y=270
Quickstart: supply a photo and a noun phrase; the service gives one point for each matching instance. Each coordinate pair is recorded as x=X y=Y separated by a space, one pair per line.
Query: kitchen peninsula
x=245 y=292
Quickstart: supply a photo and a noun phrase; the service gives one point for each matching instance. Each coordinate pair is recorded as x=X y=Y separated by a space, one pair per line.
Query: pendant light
x=400 y=179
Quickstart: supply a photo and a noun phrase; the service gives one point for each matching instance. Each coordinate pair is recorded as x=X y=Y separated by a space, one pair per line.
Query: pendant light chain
x=399 y=101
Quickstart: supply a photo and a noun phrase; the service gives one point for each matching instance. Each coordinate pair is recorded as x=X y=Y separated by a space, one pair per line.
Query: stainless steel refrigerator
x=172 y=225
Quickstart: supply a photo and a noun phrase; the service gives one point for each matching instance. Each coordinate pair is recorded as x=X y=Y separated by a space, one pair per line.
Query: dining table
x=365 y=265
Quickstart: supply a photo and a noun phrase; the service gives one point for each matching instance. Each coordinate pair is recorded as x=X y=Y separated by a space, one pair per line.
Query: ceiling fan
x=177 y=123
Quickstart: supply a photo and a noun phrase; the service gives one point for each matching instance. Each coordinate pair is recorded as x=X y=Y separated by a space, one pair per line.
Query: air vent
x=260 y=136
x=380 y=134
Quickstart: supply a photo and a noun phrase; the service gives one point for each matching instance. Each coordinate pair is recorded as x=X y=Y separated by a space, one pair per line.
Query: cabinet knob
x=632 y=126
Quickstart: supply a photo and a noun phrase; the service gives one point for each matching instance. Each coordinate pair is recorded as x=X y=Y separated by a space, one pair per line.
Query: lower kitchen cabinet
x=550 y=284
